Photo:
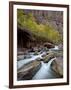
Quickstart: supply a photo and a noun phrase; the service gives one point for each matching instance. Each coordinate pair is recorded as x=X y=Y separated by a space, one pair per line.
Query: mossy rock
x=48 y=57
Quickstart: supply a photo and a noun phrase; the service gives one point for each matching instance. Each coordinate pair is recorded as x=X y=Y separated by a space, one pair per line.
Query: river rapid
x=45 y=72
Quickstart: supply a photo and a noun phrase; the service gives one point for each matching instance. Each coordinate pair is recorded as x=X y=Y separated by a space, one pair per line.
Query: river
x=22 y=62
x=45 y=72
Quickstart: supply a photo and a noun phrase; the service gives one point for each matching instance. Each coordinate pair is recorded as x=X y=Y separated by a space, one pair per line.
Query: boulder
x=57 y=66
x=48 y=57
x=49 y=45
x=38 y=59
x=36 y=53
x=27 y=71
x=20 y=57
x=58 y=53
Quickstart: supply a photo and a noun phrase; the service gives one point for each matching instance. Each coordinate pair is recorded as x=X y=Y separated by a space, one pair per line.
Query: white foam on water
x=20 y=63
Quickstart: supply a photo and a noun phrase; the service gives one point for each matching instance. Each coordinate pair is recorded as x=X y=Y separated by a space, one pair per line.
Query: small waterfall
x=56 y=48
x=22 y=62
x=47 y=65
x=45 y=71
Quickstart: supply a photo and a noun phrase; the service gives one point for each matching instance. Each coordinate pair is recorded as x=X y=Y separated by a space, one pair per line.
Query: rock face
x=57 y=66
x=27 y=71
x=24 y=37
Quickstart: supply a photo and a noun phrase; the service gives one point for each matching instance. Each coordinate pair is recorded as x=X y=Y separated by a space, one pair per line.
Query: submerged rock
x=57 y=66
x=27 y=71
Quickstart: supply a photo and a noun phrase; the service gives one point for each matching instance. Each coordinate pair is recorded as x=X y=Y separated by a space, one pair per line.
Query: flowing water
x=55 y=48
x=25 y=61
x=45 y=72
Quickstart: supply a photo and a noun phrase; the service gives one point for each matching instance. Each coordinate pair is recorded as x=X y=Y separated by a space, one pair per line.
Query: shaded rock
x=36 y=53
x=57 y=66
x=20 y=57
x=39 y=59
x=33 y=49
x=20 y=53
x=58 y=53
x=24 y=37
x=27 y=56
x=49 y=45
x=27 y=71
x=48 y=57
x=44 y=55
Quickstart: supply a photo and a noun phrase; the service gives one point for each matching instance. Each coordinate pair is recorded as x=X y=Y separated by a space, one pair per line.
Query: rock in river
x=27 y=71
x=57 y=66
x=49 y=45
x=48 y=57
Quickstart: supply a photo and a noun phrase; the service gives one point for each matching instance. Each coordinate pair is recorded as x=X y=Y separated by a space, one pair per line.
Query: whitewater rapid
x=45 y=71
